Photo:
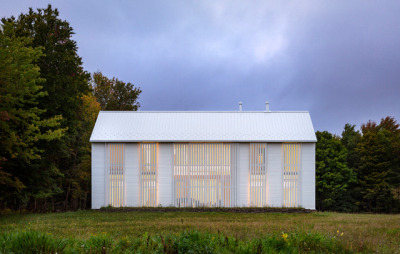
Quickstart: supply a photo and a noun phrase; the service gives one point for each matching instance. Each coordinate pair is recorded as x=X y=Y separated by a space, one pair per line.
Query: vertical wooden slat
x=291 y=153
x=257 y=174
x=149 y=174
x=115 y=172
x=204 y=174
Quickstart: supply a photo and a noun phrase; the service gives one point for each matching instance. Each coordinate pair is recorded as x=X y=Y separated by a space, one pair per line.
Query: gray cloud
x=338 y=59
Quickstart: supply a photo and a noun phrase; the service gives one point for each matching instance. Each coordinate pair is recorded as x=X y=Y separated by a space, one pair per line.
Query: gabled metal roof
x=203 y=126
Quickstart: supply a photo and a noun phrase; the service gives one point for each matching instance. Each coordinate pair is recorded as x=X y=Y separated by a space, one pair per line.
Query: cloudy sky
x=340 y=60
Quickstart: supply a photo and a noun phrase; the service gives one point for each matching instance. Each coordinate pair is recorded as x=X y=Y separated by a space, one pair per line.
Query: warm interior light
x=204 y=174
x=148 y=181
x=258 y=184
x=291 y=165
x=116 y=174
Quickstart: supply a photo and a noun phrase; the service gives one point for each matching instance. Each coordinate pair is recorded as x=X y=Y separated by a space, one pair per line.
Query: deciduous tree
x=22 y=126
x=65 y=82
x=114 y=94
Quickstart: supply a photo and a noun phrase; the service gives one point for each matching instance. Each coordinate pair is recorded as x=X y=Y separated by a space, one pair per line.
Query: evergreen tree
x=390 y=127
x=373 y=169
x=350 y=139
x=333 y=177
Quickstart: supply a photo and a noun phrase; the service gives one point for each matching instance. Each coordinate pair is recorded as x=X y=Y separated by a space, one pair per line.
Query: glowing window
x=115 y=175
x=291 y=168
x=205 y=174
x=258 y=183
x=148 y=174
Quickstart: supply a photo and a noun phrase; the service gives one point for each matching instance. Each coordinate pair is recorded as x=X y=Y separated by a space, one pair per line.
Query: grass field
x=358 y=232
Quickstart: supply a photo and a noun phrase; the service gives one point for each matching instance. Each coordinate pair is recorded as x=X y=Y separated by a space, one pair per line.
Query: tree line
x=48 y=107
x=359 y=171
x=49 y=104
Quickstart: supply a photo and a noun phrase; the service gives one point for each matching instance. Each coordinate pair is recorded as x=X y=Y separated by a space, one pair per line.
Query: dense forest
x=49 y=104
x=359 y=171
x=48 y=107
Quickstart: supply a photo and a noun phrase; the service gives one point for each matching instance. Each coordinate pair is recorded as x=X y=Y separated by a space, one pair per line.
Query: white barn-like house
x=203 y=159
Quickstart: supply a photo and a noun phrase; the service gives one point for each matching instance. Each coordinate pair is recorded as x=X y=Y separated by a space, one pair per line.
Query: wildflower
x=337 y=231
x=341 y=234
x=284 y=236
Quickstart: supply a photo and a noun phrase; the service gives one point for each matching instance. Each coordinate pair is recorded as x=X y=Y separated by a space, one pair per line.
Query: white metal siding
x=308 y=176
x=165 y=174
x=98 y=182
x=132 y=174
x=243 y=175
x=274 y=174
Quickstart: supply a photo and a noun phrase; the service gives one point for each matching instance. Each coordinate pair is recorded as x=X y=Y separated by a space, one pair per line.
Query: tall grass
x=191 y=241
x=31 y=242
x=358 y=232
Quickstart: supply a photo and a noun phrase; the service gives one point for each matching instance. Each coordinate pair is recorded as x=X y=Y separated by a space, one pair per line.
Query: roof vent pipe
x=240 y=106
x=267 y=106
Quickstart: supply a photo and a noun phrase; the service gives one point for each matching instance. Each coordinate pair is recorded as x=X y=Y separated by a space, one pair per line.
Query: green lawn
x=359 y=232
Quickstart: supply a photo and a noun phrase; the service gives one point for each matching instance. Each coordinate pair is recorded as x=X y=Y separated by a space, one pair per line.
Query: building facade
x=203 y=159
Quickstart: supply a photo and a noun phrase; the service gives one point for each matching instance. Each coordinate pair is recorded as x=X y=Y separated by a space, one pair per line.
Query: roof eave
x=204 y=141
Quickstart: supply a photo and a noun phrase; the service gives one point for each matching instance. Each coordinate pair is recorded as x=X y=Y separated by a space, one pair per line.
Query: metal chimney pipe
x=240 y=106
x=267 y=106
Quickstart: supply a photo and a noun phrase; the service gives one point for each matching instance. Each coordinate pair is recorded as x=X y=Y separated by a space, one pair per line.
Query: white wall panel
x=243 y=174
x=132 y=174
x=165 y=174
x=98 y=182
x=307 y=176
x=274 y=174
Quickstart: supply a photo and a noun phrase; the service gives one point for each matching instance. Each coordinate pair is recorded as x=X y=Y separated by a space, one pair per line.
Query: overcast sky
x=339 y=60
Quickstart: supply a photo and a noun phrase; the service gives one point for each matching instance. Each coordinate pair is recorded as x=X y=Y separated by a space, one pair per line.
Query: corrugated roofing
x=239 y=126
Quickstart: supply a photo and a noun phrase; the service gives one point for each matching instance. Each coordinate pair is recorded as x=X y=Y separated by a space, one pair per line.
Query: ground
x=376 y=232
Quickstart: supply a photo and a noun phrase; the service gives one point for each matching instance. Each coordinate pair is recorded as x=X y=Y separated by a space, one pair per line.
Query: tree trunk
x=66 y=197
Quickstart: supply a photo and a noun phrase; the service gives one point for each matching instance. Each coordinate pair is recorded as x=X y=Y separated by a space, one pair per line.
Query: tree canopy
x=47 y=113
x=22 y=125
x=333 y=177
x=114 y=94
x=359 y=171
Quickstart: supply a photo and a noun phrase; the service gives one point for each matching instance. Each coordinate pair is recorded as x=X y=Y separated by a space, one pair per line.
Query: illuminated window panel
x=258 y=183
x=205 y=174
x=291 y=167
x=148 y=174
x=115 y=173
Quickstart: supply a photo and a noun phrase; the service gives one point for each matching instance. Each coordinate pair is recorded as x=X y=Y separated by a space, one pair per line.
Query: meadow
x=323 y=231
